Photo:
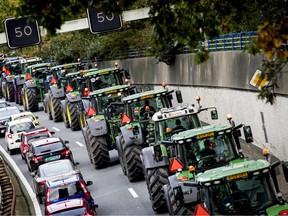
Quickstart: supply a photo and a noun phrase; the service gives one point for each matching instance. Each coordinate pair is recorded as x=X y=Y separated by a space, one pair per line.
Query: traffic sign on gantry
x=21 y=32
x=99 y=21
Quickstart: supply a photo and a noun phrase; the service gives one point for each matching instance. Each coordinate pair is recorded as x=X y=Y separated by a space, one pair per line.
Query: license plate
x=52 y=158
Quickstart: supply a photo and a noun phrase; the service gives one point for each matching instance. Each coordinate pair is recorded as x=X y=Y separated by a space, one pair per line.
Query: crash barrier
x=29 y=194
x=225 y=42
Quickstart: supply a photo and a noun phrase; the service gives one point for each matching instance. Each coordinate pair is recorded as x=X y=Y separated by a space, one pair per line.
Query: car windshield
x=65 y=190
x=71 y=212
x=55 y=169
x=37 y=136
x=21 y=127
x=50 y=147
x=209 y=151
x=243 y=196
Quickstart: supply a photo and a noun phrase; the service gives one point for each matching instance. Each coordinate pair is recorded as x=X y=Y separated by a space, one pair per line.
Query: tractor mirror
x=179 y=96
x=214 y=114
x=127 y=74
x=248 y=134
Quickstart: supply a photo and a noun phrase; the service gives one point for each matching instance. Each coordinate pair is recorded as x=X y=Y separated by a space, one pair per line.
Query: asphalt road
x=111 y=189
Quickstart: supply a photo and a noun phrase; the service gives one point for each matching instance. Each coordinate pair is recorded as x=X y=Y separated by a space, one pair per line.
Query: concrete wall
x=223 y=81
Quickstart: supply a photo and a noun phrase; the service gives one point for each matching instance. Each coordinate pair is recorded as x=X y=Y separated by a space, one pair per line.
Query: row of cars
x=58 y=182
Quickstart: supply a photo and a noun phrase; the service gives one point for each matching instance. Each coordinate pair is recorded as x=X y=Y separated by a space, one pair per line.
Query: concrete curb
x=27 y=190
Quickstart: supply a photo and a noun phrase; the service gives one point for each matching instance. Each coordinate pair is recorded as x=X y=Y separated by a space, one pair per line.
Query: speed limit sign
x=99 y=21
x=21 y=32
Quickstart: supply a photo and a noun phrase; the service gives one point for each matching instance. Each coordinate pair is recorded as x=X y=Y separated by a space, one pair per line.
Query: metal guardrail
x=235 y=41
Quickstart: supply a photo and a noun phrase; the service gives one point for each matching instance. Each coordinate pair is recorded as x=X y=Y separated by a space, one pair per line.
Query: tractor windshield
x=104 y=81
x=177 y=125
x=143 y=109
x=103 y=102
x=207 y=152
x=243 y=196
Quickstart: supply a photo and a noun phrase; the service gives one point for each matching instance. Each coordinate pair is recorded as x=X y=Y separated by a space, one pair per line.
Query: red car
x=31 y=135
x=77 y=206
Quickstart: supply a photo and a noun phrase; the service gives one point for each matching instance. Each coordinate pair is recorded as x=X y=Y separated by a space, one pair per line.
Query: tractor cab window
x=209 y=151
x=105 y=101
x=243 y=196
x=104 y=81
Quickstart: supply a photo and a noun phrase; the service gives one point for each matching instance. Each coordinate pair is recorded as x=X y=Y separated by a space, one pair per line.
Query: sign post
x=99 y=21
x=21 y=32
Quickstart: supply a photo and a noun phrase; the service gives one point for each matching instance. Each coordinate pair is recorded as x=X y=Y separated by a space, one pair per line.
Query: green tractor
x=20 y=78
x=35 y=86
x=103 y=122
x=156 y=157
x=249 y=187
x=56 y=91
x=75 y=89
x=195 y=151
x=138 y=128
x=99 y=79
x=10 y=70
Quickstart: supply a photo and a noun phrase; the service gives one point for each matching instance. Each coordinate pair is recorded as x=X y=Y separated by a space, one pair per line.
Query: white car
x=14 y=131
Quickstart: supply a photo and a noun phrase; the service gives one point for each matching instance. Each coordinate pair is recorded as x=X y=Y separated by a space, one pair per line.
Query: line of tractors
x=189 y=167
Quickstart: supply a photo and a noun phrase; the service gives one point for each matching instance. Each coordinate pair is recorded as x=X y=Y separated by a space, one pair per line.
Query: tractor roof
x=173 y=112
x=144 y=95
x=205 y=131
x=66 y=66
x=104 y=71
x=40 y=65
x=233 y=171
x=109 y=90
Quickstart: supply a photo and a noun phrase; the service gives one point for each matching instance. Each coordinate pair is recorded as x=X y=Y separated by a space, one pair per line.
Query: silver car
x=50 y=171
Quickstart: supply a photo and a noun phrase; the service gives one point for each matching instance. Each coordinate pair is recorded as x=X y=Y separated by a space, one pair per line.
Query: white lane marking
x=79 y=143
x=56 y=129
x=134 y=194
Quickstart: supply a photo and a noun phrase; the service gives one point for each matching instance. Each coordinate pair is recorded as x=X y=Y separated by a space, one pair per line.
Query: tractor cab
x=98 y=79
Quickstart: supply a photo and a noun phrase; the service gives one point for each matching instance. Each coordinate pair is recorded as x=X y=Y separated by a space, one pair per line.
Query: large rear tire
x=155 y=179
x=65 y=119
x=100 y=151
x=72 y=115
x=171 y=202
x=87 y=136
x=133 y=163
x=121 y=156
x=30 y=95
x=10 y=92
x=55 y=108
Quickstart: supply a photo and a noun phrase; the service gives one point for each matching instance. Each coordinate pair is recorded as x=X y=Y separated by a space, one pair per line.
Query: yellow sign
x=236 y=176
x=258 y=81
x=68 y=66
x=201 y=136
x=111 y=91
x=104 y=73
x=147 y=96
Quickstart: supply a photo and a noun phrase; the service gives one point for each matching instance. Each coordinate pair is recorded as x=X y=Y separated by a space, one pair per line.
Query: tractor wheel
x=48 y=111
x=55 y=108
x=1 y=93
x=133 y=163
x=171 y=202
x=30 y=95
x=100 y=152
x=87 y=137
x=121 y=156
x=10 y=92
x=16 y=96
x=65 y=119
x=72 y=114
x=23 y=100
x=155 y=179
x=82 y=119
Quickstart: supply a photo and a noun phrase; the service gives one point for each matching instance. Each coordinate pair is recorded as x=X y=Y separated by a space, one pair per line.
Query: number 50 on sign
x=21 y=32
